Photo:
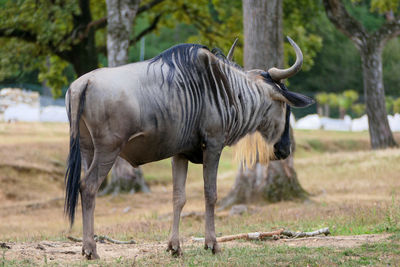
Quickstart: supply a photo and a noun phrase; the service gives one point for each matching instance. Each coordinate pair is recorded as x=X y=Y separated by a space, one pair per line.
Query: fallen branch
x=248 y=236
x=291 y=234
x=261 y=235
x=102 y=239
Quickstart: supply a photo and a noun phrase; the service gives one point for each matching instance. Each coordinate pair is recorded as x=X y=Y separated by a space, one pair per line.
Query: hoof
x=90 y=254
x=175 y=250
x=213 y=246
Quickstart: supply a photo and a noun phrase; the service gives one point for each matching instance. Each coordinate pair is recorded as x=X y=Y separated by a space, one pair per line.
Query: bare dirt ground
x=63 y=252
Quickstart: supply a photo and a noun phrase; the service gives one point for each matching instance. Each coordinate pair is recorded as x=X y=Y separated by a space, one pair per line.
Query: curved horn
x=230 y=54
x=279 y=74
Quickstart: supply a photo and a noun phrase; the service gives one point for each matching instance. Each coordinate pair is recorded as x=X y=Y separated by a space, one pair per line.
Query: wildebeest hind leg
x=99 y=168
x=179 y=173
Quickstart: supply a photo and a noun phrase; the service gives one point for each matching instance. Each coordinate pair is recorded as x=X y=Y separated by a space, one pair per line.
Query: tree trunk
x=263 y=44
x=120 y=15
x=370 y=46
x=379 y=130
x=327 y=110
x=342 y=112
x=320 y=110
x=263 y=48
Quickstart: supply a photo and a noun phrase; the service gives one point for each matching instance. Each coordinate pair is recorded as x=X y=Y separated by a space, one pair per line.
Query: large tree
x=263 y=49
x=370 y=46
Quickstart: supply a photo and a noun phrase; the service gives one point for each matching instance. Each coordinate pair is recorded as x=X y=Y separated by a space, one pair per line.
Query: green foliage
x=333 y=100
x=300 y=26
x=361 y=11
x=389 y=104
x=391 y=67
x=331 y=63
x=50 y=22
x=218 y=22
x=52 y=73
x=322 y=98
x=17 y=58
x=358 y=109
x=396 y=105
x=338 y=65
x=347 y=98
x=344 y=101
x=383 y=6
x=45 y=30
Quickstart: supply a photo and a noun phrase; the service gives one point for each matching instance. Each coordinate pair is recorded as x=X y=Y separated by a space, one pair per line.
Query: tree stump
x=275 y=182
x=125 y=178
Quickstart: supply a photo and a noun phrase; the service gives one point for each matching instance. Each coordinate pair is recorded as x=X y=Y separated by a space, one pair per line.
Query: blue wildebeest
x=187 y=103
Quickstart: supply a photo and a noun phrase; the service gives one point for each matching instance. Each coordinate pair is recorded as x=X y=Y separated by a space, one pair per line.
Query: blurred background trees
x=56 y=41
x=37 y=35
x=370 y=43
x=52 y=42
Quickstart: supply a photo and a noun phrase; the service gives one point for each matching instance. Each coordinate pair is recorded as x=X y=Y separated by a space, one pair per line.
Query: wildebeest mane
x=219 y=54
x=183 y=56
x=200 y=73
x=212 y=74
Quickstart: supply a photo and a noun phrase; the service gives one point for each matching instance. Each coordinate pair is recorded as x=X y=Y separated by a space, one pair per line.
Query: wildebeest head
x=275 y=126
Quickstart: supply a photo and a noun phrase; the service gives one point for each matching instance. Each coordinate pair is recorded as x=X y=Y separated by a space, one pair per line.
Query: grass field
x=353 y=190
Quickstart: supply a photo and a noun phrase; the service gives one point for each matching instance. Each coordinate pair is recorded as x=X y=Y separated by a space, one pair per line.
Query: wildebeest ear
x=297 y=100
x=293 y=99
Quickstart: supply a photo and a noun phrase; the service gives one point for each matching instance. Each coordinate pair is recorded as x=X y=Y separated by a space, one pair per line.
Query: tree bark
x=263 y=44
x=263 y=48
x=370 y=46
x=120 y=15
x=379 y=129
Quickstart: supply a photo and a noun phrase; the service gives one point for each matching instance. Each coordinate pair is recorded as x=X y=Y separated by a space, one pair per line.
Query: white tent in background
x=22 y=112
x=53 y=114
x=360 y=124
x=394 y=122
x=330 y=124
x=309 y=122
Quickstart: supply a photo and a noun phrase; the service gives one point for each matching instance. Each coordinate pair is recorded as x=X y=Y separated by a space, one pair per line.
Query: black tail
x=73 y=173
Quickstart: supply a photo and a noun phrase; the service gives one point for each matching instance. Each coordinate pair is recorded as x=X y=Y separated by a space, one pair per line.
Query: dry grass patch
x=352 y=192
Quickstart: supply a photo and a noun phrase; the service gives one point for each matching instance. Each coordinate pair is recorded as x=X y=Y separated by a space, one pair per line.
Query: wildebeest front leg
x=179 y=173
x=210 y=168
